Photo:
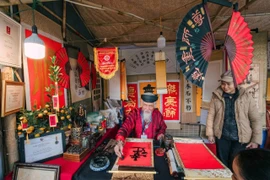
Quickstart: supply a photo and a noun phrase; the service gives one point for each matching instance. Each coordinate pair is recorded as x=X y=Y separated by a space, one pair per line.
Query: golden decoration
x=24 y=121
x=40 y=115
x=19 y=127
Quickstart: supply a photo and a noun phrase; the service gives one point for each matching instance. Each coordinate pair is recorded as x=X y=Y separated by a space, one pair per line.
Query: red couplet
x=145 y=154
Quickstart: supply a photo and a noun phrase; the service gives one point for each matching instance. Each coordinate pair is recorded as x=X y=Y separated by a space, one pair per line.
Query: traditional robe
x=134 y=122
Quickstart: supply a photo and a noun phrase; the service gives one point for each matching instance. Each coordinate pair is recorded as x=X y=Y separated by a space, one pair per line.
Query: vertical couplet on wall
x=188 y=99
x=161 y=80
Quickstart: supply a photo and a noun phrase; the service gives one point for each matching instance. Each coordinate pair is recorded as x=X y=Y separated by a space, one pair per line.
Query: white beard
x=147 y=116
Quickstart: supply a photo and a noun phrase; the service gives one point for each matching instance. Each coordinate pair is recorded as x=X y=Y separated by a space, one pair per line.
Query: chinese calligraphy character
x=188 y=85
x=170 y=112
x=185 y=36
x=197 y=75
x=188 y=93
x=188 y=100
x=131 y=92
x=188 y=107
x=187 y=56
x=130 y=103
x=170 y=101
x=138 y=153
x=197 y=18
x=128 y=110
x=171 y=88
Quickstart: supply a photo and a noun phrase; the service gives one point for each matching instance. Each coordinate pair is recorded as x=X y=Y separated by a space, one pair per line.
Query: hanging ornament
x=85 y=74
x=61 y=61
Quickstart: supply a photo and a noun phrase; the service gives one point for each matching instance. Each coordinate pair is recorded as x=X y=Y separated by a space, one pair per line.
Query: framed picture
x=46 y=147
x=13 y=97
x=29 y=171
x=10 y=44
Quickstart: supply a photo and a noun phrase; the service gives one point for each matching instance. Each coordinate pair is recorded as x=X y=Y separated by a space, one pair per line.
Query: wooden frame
x=26 y=171
x=13 y=97
x=46 y=147
x=199 y=174
x=136 y=169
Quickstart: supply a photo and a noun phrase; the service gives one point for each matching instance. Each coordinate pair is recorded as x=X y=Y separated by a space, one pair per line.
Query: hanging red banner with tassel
x=106 y=61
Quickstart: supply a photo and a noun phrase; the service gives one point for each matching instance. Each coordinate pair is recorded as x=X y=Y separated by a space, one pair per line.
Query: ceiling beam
x=240 y=10
x=60 y=19
x=119 y=12
x=218 y=17
x=141 y=25
x=16 y=2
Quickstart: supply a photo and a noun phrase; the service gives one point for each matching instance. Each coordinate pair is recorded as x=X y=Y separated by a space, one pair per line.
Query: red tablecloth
x=68 y=168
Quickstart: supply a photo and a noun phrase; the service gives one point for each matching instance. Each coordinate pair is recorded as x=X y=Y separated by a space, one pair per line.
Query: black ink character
x=138 y=153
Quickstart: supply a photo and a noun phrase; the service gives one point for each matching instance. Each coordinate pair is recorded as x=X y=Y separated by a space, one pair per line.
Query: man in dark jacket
x=146 y=122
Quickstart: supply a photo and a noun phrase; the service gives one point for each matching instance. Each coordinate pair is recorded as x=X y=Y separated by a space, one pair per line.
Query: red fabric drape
x=38 y=74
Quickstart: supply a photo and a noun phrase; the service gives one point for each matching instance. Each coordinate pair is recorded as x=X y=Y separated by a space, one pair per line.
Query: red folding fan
x=85 y=74
x=61 y=61
x=239 y=47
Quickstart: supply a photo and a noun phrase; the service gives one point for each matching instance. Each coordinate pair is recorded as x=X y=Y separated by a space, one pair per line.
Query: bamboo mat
x=132 y=176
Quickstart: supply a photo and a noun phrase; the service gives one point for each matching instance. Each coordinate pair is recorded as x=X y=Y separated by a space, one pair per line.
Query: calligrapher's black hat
x=148 y=95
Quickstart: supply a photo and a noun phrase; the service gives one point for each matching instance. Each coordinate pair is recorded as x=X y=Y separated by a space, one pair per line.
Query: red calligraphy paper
x=106 y=61
x=196 y=156
x=38 y=74
x=170 y=106
x=55 y=100
x=132 y=98
x=24 y=126
x=141 y=161
x=53 y=120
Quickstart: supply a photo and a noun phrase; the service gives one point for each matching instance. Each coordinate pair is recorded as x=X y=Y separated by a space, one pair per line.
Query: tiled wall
x=186 y=130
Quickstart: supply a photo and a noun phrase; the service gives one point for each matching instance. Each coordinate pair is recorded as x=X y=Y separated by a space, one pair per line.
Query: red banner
x=132 y=98
x=170 y=106
x=38 y=71
x=106 y=61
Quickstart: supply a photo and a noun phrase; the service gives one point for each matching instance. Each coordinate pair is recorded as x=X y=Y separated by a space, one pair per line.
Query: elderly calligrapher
x=146 y=122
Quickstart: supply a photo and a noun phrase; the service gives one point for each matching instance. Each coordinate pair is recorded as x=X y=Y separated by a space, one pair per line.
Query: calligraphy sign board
x=138 y=154
x=203 y=165
x=46 y=147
